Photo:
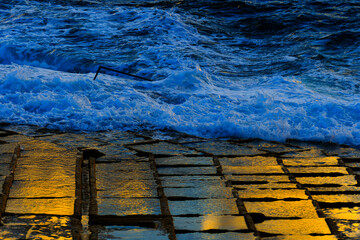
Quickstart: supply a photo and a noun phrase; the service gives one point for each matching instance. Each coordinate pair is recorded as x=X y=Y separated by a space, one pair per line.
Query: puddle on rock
x=130 y=232
x=36 y=227
x=343 y=213
x=351 y=229
x=216 y=236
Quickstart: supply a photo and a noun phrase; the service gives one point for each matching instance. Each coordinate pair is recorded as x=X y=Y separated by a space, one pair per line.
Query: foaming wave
x=24 y=55
x=190 y=102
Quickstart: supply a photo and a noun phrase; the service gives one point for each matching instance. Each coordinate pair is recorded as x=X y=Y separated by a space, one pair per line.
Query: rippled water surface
x=268 y=69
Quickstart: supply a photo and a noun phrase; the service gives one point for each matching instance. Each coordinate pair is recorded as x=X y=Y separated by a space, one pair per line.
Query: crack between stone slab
x=82 y=205
x=240 y=204
x=165 y=210
x=9 y=180
x=331 y=224
x=149 y=221
x=88 y=193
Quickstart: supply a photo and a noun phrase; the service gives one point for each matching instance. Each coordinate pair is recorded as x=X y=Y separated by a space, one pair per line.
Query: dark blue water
x=268 y=69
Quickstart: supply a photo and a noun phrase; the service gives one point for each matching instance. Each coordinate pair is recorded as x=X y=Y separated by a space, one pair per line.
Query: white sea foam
x=188 y=101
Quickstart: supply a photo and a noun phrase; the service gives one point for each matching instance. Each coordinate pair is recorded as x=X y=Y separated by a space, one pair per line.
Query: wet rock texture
x=121 y=185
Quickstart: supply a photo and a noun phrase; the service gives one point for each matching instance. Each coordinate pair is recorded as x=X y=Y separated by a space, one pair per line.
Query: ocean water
x=267 y=69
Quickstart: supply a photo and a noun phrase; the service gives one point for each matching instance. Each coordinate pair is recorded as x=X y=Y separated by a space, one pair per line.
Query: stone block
x=270 y=185
x=222 y=148
x=115 y=150
x=248 y=161
x=343 y=152
x=191 y=181
x=6 y=158
x=7 y=148
x=204 y=191
x=45 y=173
x=15 y=138
x=213 y=207
x=126 y=188
x=353 y=164
x=211 y=170
x=312 y=152
x=125 y=156
x=72 y=141
x=126 y=175
x=5 y=169
x=117 y=137
x=128 y=206
x=272 y=147
x=338 y=198
x=42 y=189
x=294 y=226
x=246 y=170
x=347 y=189
x=2 y=181
x=183 y=160
x=44 y=153
x=123 y=166
x=206 y=223
x=258 y=179
x=273 y=194
x=109 y=172
x=315 y=161
x=283 y=209
x=318 y=170
x=346 y=180
x=49 y=206
x=163 y=148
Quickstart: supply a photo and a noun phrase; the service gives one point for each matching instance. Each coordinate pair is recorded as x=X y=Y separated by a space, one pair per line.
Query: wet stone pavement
x=122 y=185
